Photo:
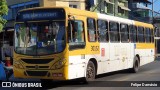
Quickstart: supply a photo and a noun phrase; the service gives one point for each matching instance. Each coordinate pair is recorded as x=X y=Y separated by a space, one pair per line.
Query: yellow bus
x=62 y=43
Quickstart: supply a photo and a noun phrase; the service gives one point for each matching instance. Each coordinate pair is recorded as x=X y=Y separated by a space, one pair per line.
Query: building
x=140 y=10
x=111 y=7
x=15 y=6
x=80 y=4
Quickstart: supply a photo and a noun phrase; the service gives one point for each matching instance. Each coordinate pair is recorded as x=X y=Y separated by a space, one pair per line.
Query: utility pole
x=154 y=28
x=152 y=11
x=115 y=8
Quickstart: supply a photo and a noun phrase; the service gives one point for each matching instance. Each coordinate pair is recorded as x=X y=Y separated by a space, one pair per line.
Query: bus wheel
x=90 y=72
x=136 y=65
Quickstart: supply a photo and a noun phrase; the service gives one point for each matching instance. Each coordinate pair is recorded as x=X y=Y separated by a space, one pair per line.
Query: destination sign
x=41 y=14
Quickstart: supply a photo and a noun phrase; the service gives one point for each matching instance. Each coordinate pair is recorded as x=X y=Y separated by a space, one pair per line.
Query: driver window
x=76 y=33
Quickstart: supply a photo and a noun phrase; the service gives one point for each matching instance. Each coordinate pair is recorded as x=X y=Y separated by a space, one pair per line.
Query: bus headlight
x=59 y=64
x=17 y=64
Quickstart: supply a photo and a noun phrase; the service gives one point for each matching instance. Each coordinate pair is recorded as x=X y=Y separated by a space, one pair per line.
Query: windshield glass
x=41 y=38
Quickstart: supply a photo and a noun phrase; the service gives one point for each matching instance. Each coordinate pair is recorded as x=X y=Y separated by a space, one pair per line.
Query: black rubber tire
x=136 y=65
x=90 y=72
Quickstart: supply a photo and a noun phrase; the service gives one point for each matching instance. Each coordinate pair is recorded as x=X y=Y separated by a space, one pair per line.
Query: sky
x=156 y=5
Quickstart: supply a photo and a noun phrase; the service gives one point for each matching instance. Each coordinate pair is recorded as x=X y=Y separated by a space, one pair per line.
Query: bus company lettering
x=39 y=15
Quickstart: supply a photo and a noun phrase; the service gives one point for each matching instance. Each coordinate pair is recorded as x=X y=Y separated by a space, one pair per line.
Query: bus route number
x=94 y=48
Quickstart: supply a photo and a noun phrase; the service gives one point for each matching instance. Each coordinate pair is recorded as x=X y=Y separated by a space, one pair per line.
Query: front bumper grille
x=39 y=67
x=37 y=73
x=37 y=61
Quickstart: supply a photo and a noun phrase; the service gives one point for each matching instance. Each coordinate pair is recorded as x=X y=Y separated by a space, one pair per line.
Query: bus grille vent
x=37 y=73
x=39 y=67
x=37 y=61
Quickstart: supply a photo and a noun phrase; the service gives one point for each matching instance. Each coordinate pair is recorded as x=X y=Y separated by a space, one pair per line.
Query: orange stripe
x=145 y=46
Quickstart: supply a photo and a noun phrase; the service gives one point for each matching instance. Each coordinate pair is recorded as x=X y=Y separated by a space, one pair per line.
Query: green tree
x=3 y=11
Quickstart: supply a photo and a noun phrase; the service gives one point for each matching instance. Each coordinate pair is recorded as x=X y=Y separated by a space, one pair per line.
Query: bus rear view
x=39 y=44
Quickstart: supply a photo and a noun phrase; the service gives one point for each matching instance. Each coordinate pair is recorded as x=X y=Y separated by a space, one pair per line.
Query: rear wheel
x=90 y=72
x=136 y=65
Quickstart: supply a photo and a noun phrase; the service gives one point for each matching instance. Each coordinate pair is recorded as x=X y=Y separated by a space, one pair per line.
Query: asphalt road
x=120 y=80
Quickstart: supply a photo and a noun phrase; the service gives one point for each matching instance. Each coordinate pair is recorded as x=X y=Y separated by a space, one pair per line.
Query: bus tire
x=136 y=65
x=90 y=72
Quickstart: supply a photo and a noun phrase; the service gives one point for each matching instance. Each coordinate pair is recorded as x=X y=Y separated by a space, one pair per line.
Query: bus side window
x=133 y=33
x=91 y=30
x=147 y=35
x=124 y=32
x=152 y=36
x=114 y=32
x=102 y=31
x=141 y=34
x=149 y=31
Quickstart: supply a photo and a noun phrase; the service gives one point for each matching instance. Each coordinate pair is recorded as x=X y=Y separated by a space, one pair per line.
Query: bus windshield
x=40 y=38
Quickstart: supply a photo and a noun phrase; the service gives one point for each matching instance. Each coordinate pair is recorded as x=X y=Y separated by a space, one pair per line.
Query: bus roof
x=142 y=24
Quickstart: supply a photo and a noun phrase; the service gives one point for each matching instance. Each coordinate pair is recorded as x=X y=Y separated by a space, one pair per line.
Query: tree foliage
x=3 y=11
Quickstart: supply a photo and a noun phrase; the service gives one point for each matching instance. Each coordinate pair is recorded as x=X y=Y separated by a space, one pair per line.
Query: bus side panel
x=103 y=58
x=76 y=67
x=146 y=53
x=121 y=56
x=132 y=55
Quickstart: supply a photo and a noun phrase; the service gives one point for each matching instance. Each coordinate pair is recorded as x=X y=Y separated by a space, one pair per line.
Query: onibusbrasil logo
x=21 y=84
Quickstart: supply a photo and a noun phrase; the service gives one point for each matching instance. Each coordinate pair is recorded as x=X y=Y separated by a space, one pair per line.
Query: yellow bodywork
x=137 y=23
x=79 y=15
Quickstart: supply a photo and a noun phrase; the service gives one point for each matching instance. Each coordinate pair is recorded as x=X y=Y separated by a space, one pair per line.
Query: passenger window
x=147 y=35
x=141 y=34
x=91 y=30
x=103 y=31
x=124 y=33
x=152 y=35
x=114 y=32
x=133 y=33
